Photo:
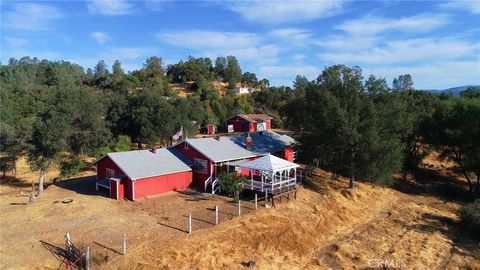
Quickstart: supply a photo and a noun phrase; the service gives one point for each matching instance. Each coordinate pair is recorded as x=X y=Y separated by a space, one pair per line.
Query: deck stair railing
x=209 y=180
x=215 y=185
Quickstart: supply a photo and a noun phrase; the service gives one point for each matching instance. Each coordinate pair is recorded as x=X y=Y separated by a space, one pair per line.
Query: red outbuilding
x=136 y=174
x=249 y=123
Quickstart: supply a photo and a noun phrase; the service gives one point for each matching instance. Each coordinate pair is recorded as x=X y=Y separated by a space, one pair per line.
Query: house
x=241 y=90
x=136 y=174
x=212 y=156
x=249 y=123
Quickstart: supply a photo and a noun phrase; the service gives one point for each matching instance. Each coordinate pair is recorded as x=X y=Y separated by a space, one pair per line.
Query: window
x=186 y=145
x=200 y=165
x=109 y=173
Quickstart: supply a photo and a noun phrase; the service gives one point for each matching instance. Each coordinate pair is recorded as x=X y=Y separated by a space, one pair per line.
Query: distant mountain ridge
x=454 y=90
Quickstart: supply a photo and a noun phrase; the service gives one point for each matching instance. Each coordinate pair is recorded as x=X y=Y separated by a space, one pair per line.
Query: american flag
x=179 y=134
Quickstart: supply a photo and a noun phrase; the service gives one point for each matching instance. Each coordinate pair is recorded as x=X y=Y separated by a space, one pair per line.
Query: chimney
x=248 y=142
x=153 y=150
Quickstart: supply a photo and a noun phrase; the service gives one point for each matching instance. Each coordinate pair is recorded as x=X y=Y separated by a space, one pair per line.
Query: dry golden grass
x=327 y=226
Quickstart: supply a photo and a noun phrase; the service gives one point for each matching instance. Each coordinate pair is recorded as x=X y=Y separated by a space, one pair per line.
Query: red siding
x=161 y=184
x=198 y=177
x=269 y=124
x=105 y=163
x=286 y=154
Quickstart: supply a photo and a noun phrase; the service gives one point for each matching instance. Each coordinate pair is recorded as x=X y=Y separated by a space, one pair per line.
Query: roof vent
x=217 y=138
x=153 y=150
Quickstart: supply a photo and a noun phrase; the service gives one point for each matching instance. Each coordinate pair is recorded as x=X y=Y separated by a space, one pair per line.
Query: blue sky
x=437 y=42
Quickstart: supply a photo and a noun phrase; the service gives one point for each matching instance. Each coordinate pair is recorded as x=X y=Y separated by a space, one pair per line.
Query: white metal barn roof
x=221 y=149
x=144 y=163
x=269 y=163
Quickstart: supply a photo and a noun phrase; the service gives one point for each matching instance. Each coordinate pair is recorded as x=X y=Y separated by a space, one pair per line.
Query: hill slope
x=366 y=227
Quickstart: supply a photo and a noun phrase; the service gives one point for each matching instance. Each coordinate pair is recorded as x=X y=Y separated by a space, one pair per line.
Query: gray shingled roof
x=220 y=150
x=265 y=141
x=144 y=163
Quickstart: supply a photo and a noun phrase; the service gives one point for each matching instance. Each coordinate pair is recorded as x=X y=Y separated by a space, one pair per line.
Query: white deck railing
x=215 y=183
x=271 y=187
x=209 y=180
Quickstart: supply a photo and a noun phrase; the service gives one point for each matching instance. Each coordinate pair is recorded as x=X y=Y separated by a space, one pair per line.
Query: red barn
x=249 y=122
x=136 y=174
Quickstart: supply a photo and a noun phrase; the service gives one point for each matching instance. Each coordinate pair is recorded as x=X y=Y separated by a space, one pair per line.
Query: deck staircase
x=214 y=185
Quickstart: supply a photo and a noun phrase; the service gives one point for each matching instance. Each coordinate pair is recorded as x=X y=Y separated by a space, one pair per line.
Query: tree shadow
x=171 y=227
x=108 y=248
x=14 y=182
x=433 y=183
x=201 y=220
x=60 y=253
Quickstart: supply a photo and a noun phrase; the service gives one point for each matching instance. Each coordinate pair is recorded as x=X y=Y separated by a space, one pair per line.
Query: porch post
x=295 y=175
x=262 y=180
x=251 y=179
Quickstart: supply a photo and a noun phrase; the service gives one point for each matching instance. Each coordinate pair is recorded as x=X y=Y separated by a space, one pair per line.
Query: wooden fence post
x=216 y=215
x=68 y=244
x=189 y=223
x=256 y=201
x=87 y=258
x=266 y=199
x=124 y=244
x=239 y=208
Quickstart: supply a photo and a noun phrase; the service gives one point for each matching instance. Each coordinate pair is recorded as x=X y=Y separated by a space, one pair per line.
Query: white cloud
x=31 y=17
x=285 y=74
x=15 y=42
x=110 y=7
x=295 y=36
x=286 y=10
x=405 y=51
x=471 y=6
x=100 y=37
x=197 y=39
x=127 y=53
x=291 y=71
x=347 y=43
x=260 y=54
x=438 y=75
x=373 y=26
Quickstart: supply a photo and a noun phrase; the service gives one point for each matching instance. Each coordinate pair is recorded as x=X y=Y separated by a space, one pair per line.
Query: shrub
x=71 y=167
x=231 y=183
x=471 y=216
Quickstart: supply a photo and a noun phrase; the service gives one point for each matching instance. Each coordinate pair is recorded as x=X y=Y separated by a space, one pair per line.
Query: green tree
x=233 y=73
x=339 y=124
x=456 y=133
x=402 y=83
x=220 y=67
x=471 y=92
x=250 y=79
